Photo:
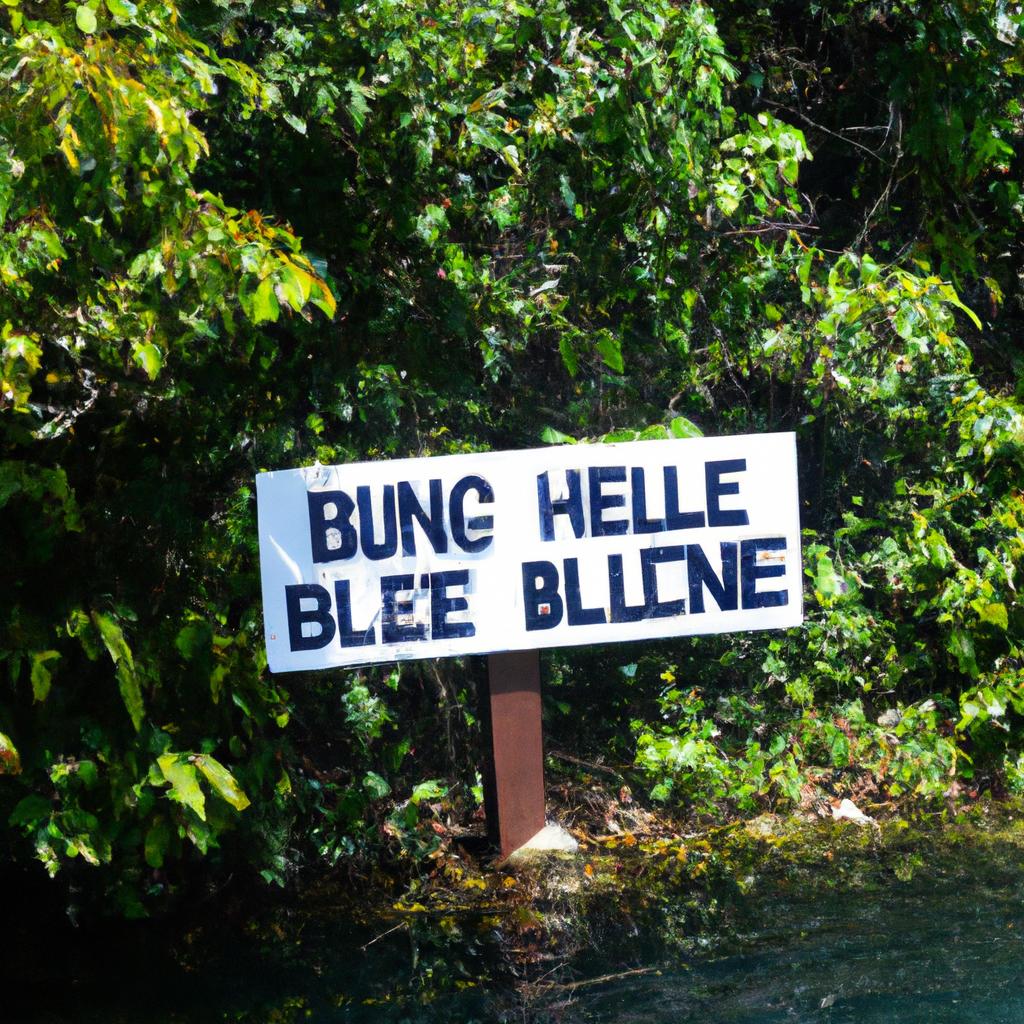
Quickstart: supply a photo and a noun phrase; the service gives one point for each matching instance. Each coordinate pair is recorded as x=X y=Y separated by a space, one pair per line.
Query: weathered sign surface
x=507 y=551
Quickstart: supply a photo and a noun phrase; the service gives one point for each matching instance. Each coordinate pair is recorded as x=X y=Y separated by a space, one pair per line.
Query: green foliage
x=128 y=288
x=252 y=237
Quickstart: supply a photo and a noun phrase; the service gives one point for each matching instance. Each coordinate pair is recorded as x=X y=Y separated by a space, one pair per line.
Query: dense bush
x=247 y=236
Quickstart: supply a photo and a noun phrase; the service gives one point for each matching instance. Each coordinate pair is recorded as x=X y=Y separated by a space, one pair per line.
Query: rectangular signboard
x=550 y=547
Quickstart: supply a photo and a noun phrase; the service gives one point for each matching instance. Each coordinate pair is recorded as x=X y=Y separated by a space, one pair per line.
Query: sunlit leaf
x=85 y=18
x=680 y=426
x=222 y=781
x=124 y=663
x=184 y=780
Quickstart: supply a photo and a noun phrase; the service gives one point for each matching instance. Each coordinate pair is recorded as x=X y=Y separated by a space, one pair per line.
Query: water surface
x=870 y=935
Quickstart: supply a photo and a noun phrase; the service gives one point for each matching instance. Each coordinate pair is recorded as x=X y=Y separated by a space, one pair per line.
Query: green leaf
x=551 y=436
x=157 y=841
x=122 y=8
x=358 y=108
x=938 y=549
x=85 y=19
x=662 y=791
x=840 y=750
x=682 y=427
x=961 y=646
x=80 y=846
x=88 y=774
x=827 y=582
x=291 y=288
x=112 y=636
x=609 y=348
x=41 y=677
x=429 y=790
x=296 y=122
x=150 y=358
x=181 y=774
x=375 y=786
x=222 y=781
x=32 y=810
x=950 y=295
x=264 y=304
x=120 y=653
x=323 y=299
x=655 y=432
x=194 y=640
x=569 y=357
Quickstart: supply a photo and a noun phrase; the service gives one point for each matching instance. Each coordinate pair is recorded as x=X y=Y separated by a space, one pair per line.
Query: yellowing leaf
x=325 y=300
x=264 y=304
x=67 y=147
x=41 y=677
x=994 y=613
x=222 y=780
x=80 y=845
x=181 y=774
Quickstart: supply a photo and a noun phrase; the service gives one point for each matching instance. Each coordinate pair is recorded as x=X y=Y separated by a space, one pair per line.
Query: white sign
x=550 y=547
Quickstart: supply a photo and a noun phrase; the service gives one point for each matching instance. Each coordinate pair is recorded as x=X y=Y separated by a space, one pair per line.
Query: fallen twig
x=571 y=986
x=584 y=764
x=383 y=935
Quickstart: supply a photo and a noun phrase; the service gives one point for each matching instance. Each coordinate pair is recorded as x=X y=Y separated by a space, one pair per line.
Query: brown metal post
x=517 y=748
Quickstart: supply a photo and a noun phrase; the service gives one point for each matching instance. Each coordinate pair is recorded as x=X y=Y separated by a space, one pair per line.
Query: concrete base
x=550 y=839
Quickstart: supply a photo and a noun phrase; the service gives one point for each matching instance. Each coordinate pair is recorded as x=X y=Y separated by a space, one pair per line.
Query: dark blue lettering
x=576 y=614
x=699 y=575
x=320 y=524
x=715 y=488
x=294 y=595
x=409 y=508
x=457 y=513
x=674 y=519
x=752 y=569
x=367 y=539
x=641 y=524
x=571 y=506
x=649 y=559
x=621 y=612
x=441 y=605
x=392 y=631
x=597 y=476
x=542 y=604
x=346 y=634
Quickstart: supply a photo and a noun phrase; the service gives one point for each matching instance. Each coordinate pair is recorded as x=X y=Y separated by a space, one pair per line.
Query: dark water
x=911 y=953
x=943 y=945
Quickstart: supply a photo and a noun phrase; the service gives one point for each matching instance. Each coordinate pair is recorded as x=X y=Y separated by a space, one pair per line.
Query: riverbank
x=566 y=937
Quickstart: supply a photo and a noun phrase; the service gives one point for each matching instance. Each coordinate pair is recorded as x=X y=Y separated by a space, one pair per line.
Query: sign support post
x=516 y=811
